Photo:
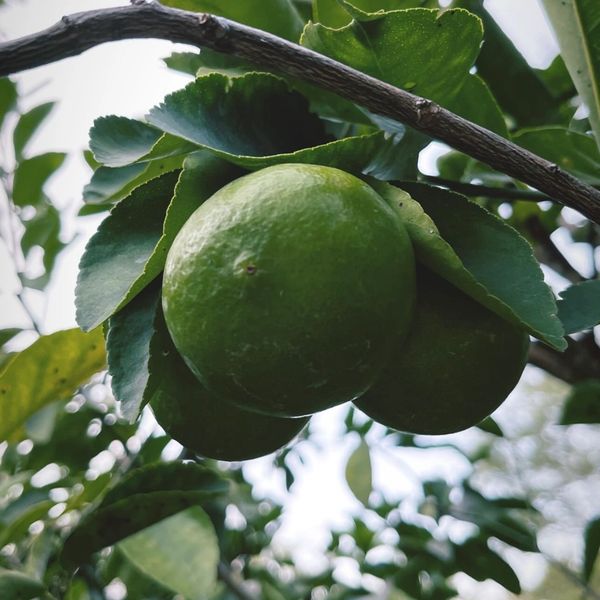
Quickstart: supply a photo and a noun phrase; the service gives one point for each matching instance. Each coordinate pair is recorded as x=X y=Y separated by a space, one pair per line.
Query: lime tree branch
x=78 y=32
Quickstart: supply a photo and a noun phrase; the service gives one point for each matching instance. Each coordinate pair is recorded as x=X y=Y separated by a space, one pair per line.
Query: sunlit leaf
x=27 y=126
x=31 y=176
x=50 y=369
x=358 y=472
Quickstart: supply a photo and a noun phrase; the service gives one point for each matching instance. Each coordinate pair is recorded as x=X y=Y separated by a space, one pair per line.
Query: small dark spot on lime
x=56 y=369
x=3 y=390
x=250 y=269
x=63 y=380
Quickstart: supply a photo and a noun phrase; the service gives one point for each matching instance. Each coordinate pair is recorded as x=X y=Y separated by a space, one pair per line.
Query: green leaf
x=128 y=349
x=119 y=141
x=478 y=253
x=474 y=558
x=42 y=229
x=180 y=552
x=27 y=126
x=476 y=103
x=50 y=369
x=8 y=97
x=490 y=426
x=518 y=88
x=577 y=27
x=592 y=546
x=18 y=586
x=32 y=174
x=276 y=16
x=120 y=258
x=162 y=477
x=582 y=404
x=110 y=184
x=19 y=526
x=358 y=472
x=255 y=121
x=579 y=306
x=253 y=115
x=8 y=334
x=433 y=60
x=118 y=520
x=185 y=62
x=574 y=152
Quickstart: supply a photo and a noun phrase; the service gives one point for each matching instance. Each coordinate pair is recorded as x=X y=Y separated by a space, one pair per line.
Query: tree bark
x=79 y=32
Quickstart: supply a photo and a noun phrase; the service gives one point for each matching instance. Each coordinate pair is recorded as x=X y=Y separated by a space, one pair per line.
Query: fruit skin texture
x=203 y=423
x=457 y=365
x=285 y=291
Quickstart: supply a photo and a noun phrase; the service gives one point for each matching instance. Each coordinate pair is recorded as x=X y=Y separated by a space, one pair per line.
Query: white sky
x=127 y=78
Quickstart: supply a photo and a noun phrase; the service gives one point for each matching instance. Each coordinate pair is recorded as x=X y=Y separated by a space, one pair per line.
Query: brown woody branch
x=79 y=32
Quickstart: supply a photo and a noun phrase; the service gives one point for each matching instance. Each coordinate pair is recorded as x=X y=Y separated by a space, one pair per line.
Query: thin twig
x=474 y=189
x=79 y=32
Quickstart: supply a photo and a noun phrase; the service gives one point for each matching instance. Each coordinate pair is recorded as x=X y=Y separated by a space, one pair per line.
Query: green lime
x=285 y=291
x=457 y=365
x=203 y=423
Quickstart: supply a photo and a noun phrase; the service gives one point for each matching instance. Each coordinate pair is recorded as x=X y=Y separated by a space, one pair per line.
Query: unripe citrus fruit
x=285 y=290
x=457 y=365
x=203 y=423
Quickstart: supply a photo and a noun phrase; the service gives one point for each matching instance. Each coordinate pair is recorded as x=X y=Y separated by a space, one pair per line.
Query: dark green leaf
x=42 y=229
x=476 y=103
x=28 y=125
x=163 y=477
x=180 y=552
x=477 y=560
x=18 y=586
x=128 y=349
x=579 y=306
x=8 y=97
x=119 y=141
x=582 y=404
x=8 y=334
x=592 y=546
x=433 y=60
x=32 y=174
x=19 y=526
x=276 y=16
x=358 y=472
x=186 y=62
x=574 y=152
x=50 y=369
x=123 y=518
x=518 y=88
x=480 y=254
x=490 y=426
x=253 y=115
x=120 y=259
x=110 y=184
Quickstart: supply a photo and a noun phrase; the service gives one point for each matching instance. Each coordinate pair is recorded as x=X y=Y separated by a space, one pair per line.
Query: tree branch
x=79 y=32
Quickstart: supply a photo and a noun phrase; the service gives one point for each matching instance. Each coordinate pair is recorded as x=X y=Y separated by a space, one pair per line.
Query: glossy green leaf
x=162 y=477
x=27 y=126
x=424 y=51
x=185 y=62
x=110 y=184
x=118 y=520
x=180 y=552
x=276 y=16
x=8 y=97
x=519 y=89
x=480 y=254
x=253 y=115
x=490 y=426
x=592 y=546
x=120 y=258
x=50 y=369
x=577 y=27
x=119 y=141
x=18 y=586
x=582 y=405
x=128 y=349
x=255 y=121
x=475 y=559
x=31 y=176
x=574 y=152
x=358 y=472
x=579 y=306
